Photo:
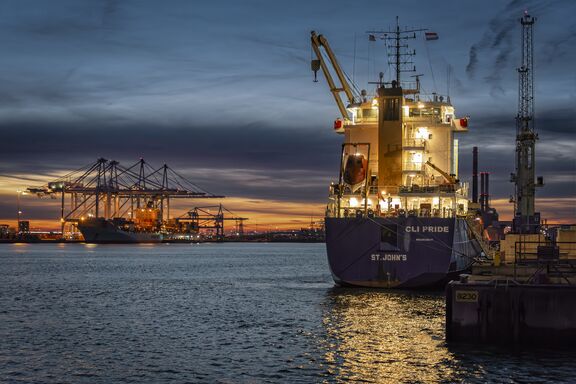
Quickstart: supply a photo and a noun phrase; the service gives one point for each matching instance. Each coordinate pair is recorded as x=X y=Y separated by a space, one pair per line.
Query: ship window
x=369 y=114
x=415 y=112
x=392 y=109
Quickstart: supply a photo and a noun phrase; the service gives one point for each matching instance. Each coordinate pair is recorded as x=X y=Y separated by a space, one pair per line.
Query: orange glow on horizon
x=263 y=214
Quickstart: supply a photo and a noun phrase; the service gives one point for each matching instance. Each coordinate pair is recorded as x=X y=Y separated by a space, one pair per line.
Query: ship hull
x=399 y=252
x=100 y=231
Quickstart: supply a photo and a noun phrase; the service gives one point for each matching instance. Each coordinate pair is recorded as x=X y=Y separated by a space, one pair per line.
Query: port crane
x=202 y=218
x=526 y=220
x=110 y=190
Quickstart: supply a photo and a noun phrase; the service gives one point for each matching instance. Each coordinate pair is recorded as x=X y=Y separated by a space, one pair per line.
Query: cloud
x=554 y=210
x=497 y=52
x=495 y=44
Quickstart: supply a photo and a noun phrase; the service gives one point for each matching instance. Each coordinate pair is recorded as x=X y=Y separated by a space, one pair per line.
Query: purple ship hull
x=398 y=252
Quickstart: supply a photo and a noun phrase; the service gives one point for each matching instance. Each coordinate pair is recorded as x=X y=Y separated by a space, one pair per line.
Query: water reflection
x=378 y=336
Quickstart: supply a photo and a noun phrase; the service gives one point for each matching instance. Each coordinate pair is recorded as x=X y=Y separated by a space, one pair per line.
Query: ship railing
x=373 y=190
x=549 y=258
x=417 y=189
x=410 y=166
x=431 y=98
x=414 y=143
x=487 y=248
x=385 y=190
x=426 y=119
x=332 y=210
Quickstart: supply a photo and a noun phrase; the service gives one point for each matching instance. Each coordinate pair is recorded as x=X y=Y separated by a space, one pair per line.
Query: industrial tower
x=526 y=220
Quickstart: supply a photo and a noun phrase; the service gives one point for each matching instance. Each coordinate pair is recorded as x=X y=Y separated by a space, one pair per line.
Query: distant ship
x=101 y=231
x=398 y=215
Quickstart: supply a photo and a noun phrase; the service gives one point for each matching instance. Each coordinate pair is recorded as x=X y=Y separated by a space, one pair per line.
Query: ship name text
x=427 y=229
x=388 y=257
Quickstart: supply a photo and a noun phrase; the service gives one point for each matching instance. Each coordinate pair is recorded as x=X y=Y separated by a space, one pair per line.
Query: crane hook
x=315 y=64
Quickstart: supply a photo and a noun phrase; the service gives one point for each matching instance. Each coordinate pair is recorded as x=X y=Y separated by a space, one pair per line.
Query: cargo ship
x=398 y=216
x=107 y=231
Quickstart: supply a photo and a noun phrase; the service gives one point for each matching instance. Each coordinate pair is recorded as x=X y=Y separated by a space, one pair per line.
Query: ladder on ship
x=488 y=250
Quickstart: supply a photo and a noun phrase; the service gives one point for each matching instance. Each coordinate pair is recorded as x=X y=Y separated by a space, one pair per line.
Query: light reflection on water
x=376 y=335
x=233 y=313
x=398 y=337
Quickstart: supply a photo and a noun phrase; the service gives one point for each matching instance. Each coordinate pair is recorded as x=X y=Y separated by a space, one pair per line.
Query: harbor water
x=228 y=313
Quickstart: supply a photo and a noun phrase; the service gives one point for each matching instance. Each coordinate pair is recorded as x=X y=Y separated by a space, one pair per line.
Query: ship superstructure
x=405 y=163
x=397 y=215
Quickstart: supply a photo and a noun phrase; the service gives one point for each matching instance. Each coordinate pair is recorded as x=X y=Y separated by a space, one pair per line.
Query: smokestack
x=482 y=189
x=475 y=175
x=487 y=192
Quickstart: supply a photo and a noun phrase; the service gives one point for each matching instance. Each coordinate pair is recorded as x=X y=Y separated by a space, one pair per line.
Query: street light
x=19 y=192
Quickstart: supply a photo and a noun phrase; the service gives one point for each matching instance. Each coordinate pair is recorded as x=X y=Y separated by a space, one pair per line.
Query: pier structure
x=525 y=296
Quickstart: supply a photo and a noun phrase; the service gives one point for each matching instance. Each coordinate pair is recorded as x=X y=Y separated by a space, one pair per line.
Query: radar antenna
x=400 y=56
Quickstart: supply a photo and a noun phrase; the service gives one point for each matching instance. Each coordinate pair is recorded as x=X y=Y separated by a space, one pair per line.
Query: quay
x=527 y=301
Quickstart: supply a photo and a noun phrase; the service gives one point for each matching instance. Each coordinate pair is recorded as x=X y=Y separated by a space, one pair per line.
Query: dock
x=528 y=301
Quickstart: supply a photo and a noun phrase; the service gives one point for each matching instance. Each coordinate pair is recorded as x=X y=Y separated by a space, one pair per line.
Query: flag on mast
x=431 y=35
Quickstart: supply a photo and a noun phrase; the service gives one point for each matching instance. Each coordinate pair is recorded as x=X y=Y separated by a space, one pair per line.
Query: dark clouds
x=555 y=151
x=498 y=49
x=222 y=90
x=257 y=161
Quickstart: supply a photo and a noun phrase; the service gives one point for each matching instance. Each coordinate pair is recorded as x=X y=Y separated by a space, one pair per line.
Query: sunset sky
x=222 y=91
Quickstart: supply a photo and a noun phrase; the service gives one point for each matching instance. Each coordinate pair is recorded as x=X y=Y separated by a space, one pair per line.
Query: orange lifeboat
x=355 y=169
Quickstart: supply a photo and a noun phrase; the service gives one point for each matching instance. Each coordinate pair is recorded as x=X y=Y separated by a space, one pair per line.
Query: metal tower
x=526 y=220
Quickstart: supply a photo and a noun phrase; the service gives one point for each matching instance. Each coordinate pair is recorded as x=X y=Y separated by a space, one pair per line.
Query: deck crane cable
x=355 y=91
x=181 y=182
x=210 y=194
x=154 y=173
x=431 y=68
x=84 y=169
x=354 y=61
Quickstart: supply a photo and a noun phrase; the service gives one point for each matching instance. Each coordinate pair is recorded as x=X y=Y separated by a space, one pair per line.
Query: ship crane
x=449 y=178
x=319 y=44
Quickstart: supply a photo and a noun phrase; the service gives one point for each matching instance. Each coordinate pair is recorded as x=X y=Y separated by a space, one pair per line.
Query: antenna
x=402 y=58
x=418 y=81
x=448 y=80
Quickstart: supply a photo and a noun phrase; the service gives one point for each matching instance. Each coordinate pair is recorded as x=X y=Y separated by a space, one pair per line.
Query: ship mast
x=525 y=218
x=401 y=56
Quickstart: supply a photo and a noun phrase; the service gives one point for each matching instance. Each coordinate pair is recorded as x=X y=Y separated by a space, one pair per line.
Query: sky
x=222 y=91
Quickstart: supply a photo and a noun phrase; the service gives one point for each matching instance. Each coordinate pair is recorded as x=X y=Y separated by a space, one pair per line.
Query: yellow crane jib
x=449 y=178
x=320 y=43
